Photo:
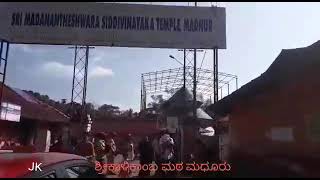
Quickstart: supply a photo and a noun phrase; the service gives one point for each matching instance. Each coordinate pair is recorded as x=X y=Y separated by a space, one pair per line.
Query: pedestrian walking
x=146 y=155
x=86 y=148
x=130 y=149
x=111 y=149
x=57 y=146
x=100 y=148
x=167 y=151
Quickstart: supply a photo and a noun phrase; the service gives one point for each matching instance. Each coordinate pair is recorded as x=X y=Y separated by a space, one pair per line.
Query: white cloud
x=25 y=47
x=57 y=69
x=39 y=49
x=104 y=54
x=98 y=56
x=99 y=71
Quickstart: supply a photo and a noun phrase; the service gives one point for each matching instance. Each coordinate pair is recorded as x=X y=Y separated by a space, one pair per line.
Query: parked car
x=53 y=165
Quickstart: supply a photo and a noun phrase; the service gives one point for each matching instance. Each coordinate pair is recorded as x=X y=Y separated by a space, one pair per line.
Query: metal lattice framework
x=4 y=51
x=160 y=82
x=80 y=76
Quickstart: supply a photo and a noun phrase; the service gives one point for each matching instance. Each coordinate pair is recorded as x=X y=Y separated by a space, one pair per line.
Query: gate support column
x=4 y=51
x=215 y=75
x=143 y=99
x=79 y=84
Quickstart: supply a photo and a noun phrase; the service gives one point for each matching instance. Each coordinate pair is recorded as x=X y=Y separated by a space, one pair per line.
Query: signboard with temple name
x=113 y=24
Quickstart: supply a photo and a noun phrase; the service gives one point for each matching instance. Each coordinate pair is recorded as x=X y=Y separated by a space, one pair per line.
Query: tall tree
x=200 y=97
x=157 y=100
x=90 y=110
x=171 y=91
x=95 y=111
x=130 y=113
x=127 y=113
x=108 y=110
x=63 y=101
x=206 y=103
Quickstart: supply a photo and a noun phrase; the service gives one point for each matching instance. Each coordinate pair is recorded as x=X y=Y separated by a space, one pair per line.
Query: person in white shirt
x=130 y=148
x=166 y=144
x=2 y=143
x=166 y=147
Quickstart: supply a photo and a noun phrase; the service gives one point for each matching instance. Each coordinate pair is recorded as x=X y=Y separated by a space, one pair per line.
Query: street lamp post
x=180 y=126
x=184 y=68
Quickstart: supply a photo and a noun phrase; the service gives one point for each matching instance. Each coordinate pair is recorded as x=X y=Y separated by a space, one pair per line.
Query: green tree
x=171 y=91
x=63 y=101
x=200 y=97
x=206 y=103
x=90 y=110
x=157 y=100
x=130 y=112
x=127 y=113
x=108 y=110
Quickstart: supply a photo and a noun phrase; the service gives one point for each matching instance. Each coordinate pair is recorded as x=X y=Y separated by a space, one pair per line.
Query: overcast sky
x=256 y=33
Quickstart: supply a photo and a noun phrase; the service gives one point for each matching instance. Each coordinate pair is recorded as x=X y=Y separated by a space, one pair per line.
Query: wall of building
x=9 y=129
x=295 y=105
x=23 y=131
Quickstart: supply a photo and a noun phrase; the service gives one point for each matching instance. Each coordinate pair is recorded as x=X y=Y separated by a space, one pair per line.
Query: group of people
x=104 y=147
x=100 y=147
x=165 y=151
x=159 y=148
x=8 y=143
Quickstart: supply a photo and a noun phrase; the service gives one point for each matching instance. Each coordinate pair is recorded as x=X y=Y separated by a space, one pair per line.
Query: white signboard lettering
x=10 y=112
x=112 y=24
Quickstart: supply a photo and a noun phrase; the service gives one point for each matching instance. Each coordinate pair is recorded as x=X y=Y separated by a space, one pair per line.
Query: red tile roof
x=31 y=108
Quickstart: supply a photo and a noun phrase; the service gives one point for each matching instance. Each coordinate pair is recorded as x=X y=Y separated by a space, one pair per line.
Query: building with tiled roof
x=276 y=116
x=34 y=121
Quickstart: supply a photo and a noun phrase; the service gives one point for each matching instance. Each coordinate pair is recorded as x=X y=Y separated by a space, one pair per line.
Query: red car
x=45 y=165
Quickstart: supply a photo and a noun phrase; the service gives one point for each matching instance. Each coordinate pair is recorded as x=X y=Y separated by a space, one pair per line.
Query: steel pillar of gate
x=215 y=76
x=79 y=82
x=143 y=100
x=4 y=51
